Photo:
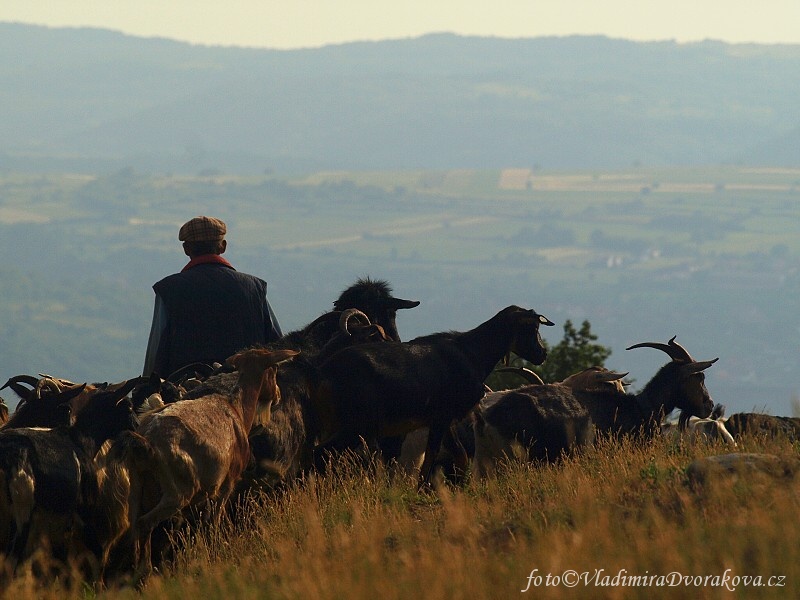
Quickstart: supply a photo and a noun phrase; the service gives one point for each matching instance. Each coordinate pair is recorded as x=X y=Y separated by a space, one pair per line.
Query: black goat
x=678 y=384
x=48 y=403
x=374 y=298
x=373 y=391
x=534 y=423
x=772 y=426
x=48 y=489
x=282 y=447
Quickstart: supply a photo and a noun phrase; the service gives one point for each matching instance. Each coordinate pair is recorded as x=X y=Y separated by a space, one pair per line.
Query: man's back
x=208 y=311
x=214 y=312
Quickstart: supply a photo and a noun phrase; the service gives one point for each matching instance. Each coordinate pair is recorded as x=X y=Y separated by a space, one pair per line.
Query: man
x=208 y=311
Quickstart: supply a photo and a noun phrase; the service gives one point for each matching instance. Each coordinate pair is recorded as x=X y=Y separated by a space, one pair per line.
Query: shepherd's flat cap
x=202 y=229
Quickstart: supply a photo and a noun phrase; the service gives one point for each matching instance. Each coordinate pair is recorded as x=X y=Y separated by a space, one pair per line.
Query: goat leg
x=435 y=434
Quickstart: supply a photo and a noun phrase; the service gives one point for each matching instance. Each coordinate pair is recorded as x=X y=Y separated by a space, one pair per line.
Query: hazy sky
x=309 y=23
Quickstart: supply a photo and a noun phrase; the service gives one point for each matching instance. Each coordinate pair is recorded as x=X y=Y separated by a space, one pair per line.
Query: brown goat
x=194 y=451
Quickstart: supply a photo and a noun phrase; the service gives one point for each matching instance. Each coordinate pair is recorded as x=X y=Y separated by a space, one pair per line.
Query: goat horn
x=696 y=367
x=344 y=319
x=14 y=385
x=530 y=376
x=673 y=349
x=63 y=382
x=49 y=384
x=197 y=368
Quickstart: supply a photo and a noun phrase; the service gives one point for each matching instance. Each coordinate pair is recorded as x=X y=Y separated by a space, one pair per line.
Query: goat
x=372 y=391
x=753 y=423
x=539 y=426
x=466 y=433
x=354 y=328
x=538 y=422
x=3 y=412
x=374 y=298
x=48 y=484
x=52 y=402
x=47 y=403
x=678 y=384
x=595 y=379
x=692 y=428
x=589 y=379
x=195 y=450
x=282 y=448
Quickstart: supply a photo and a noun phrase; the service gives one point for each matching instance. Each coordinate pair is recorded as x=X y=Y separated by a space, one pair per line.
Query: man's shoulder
x=247 y=276
x=166 y=281
x=202 y=272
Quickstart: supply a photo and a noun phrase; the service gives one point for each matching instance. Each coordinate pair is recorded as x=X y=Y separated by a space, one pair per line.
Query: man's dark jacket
x=214 y=311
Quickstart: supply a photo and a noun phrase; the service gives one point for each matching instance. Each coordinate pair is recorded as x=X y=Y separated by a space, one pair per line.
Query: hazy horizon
x=291 y=24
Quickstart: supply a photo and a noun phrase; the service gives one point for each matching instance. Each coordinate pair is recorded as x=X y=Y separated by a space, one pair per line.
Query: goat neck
x=490 y=341
x=662 y=394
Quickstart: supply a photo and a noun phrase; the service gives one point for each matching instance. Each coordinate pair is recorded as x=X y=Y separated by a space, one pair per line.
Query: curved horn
x=525 y=373
x=14 y=384
x=673 y=349
x=48 y=384
x=29 y=379
x=58 y=380
x=197 y=368
x=344 y=319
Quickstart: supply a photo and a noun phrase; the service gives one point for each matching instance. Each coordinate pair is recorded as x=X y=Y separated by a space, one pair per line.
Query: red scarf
x=205 y=259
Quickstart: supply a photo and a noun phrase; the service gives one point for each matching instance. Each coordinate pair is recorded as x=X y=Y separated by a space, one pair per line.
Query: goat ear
x=398 y=303
x=531 y=316
x=281 y=356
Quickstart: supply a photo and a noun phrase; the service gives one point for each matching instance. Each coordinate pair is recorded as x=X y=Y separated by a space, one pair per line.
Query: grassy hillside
x=617 y=510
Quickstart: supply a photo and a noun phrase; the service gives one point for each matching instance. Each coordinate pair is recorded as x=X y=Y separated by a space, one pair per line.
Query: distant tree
x=575 y=352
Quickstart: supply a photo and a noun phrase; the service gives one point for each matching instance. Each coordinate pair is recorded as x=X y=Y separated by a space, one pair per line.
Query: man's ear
x=223 y=244
x=186 y=250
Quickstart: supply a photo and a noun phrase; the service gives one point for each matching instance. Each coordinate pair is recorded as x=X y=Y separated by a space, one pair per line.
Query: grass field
x=617 y=510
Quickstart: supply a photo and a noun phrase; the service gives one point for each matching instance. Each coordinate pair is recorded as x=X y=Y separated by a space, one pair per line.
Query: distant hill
x=96 y=100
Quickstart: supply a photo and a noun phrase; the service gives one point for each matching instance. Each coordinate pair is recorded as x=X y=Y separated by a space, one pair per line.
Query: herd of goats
x=102 y=471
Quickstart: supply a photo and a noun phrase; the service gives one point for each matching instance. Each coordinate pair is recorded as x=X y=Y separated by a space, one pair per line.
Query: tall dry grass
x=618 y=508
